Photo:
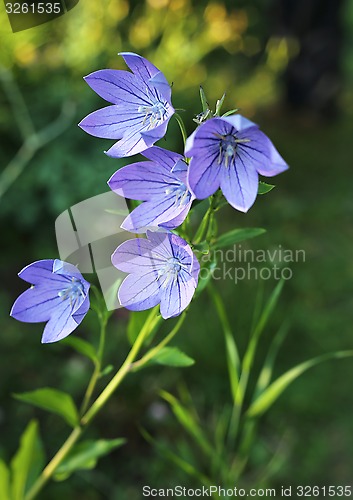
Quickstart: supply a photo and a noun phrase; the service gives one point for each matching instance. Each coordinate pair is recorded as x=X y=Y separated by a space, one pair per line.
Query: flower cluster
x=226 y=152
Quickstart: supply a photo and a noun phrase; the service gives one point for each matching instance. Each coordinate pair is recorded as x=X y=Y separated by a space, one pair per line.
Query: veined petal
x=140 y=66
x=140 y=292
x=131 y=144
x=112 y=122
x=160 y=82
x=40 y=271
x=239 y=184
x=207 y=137
x=204 y=173
x=118 y=86
x=178 y=220
x=239 y=122
x=261 y=154
x=36 y=304
x=154 y=134
x=152 y=213
x=141 y=181
x=163 y=157
x=137 y=256
x=81 y=311
x=176 y=296
x=60 y=325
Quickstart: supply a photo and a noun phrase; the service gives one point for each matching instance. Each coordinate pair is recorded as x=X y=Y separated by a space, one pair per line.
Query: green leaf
x=232 y=352
x=265 y=188
x=52 y=400
x=273 y=392
x=203 y=247
x=237 y=235
x=108 y=369
x=203 y=100
x=4 y=481
x=27 y=462
x=85 y=456
x=230 y=112
x=206 y=275
x=188 y=421
x=266 y=372
x=172 y=356
x=82 y=347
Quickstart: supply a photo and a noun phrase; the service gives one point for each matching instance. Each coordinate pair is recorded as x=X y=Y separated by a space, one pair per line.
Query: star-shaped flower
x=163 y=270
x=229 y=153
x=141 y=106
x=162 y=186
x=58 y=295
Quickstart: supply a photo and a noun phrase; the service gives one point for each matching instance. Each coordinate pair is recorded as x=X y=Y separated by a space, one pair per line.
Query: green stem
x=151 y=322
x=181 y=126
x=152 y=353
x=54 y=463
x=49 y=470
x=103 y=319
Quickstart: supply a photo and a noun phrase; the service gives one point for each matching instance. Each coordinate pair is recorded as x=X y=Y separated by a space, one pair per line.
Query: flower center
x=228 y=147
x=181 y=192
x=170 y=271
x=155 y=112
x=73 y=291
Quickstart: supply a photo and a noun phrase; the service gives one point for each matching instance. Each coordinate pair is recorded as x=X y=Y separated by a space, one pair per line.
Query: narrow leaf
x=27 y=462
x=230 y=112
x=82 y=347
x=265 y=188
x=4 y=481
x=54 y=401
x=237 y=235
x=203 y=100
x=273 y=392
x=85 y=456
x=172 y=356
x=188 y=421
x=266 y=372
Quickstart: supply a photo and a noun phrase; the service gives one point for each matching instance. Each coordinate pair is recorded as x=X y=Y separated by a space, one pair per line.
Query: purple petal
x=137 y=256
x=175 y=297
x=178 y=220
x=81 y=311
x=154 y=134
x=116 y=86
x=112 y=122
x=131 y=144
x=140 y=292
x=60 y=325
x=206 y=137
x=261 y=154
x=204 y=173
x=39 y=272
x=141 y=181
x=239 y=184
x=162 y=156
x=239 y=122
x=152 y=213
x=160 y=82
x=140 y=66
x=36 y=304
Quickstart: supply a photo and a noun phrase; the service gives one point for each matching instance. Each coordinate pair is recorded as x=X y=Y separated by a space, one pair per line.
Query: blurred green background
x=286 y=65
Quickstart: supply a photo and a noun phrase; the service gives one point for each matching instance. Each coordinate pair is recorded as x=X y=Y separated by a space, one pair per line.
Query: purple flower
x=230 y=153
x=58 y=295
x=163 y=270
x=141 y=106
x=162 y=186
